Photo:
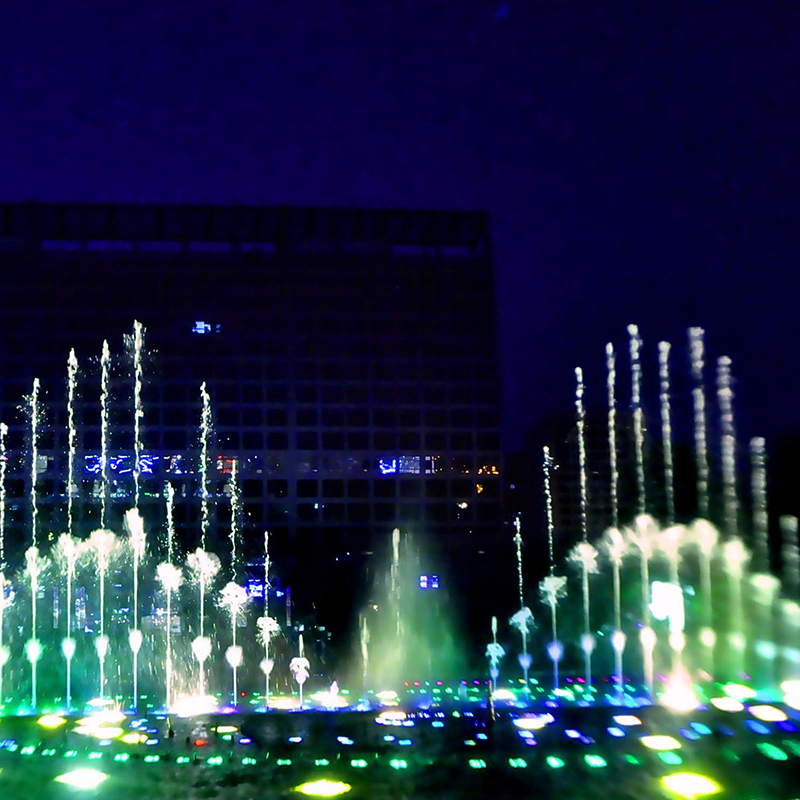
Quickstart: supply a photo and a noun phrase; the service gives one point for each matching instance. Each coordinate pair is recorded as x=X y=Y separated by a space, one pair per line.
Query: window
x=277 y=416
x=333 y=441
x=358 y=441
x=307 y=488
x=306 y=440
x=358 y=488
x=277 y=488
x=277 y=441
x=307 y=417
x=253 y=440
x=333 y=488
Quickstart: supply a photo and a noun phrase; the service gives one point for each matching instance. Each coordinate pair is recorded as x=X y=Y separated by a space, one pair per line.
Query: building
x=351 y=359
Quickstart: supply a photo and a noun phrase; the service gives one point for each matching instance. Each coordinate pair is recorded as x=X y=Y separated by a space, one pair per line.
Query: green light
x=554 y=762
x=153 y=759
x=595 y=761
x=70 y=754
x=214 y=761
x=704 y=730
x=321 y=762
x=249 y=762
x=632 y=759
x=668 y=757
x=28 y=750
x=95 y=755
x=284 y=762
x=82 y=778
x=689 y=785
x=477 y=763
x=121 y=757
x=771 y=751
x=183 y=759
x=358 y=763
x=792 y=745
x=398 y=763
x=517 y=763
x=48 y=752
x=323 y=788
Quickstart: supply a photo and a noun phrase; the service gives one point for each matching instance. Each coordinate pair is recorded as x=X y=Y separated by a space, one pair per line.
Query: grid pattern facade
x=350 y=356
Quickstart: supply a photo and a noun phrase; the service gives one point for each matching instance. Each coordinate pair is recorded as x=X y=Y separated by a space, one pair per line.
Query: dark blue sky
x=638 y=159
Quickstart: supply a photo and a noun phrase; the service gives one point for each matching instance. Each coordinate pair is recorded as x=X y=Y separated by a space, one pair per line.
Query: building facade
x=350 y=357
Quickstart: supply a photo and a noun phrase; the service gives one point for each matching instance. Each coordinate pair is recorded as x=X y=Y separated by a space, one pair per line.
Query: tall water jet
x=3 y=466
x=697 y=354
x=736 y=557
x=553 y=587
x=614 y=545
x=34 y=416
x=205 y=433
x=105 y=369
x=728 y=445
x=363 y=640
x=611 y=386
x=706 y=537
x=585 y=556
x=494 y=652
x=666 y=428
x=394 y=576
x=523 y=619
x=758 y=477
x=137 y=345
x=790 y=556
x=642 y=537
x=233 y=598
x=267 y=626
x=204 y=566
x=169 y=576
x=236 y=511
x=4 y=651
x=581 y=421
x=170 y=493
x=299 y=667
x=33 y=647
x=638 y=415
x=67 y=555
x=72 y=434
x=135 y=525
x=102 y=544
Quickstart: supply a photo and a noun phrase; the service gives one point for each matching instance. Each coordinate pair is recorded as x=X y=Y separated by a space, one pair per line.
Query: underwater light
x=133 y=738
x=726 y=704
x=768 y=713
x=534 y=723
x=284 y=703
x=51 y=721
x=689 y=784
x=738 y=691
x=196 y=705
x=82 y=778
x=627 y=720
x=659 y=742
x=226 y=729
x=503 y=694
x=387 y=717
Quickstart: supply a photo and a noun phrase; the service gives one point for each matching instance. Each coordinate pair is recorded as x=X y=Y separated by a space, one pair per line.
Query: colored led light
x=771 y=751
x=517 y=763
x=477 y=763
x=768 y=713
x=554 y=762
x=323 y=788
x=398 y=763
x=358 y=763
x=726 y=704
x=627 y=720
x=738 y=691
x=51 y=721
x=82 y=778
x=595 y=761
x=660 y=742
x=668 y=757
x=689 y=785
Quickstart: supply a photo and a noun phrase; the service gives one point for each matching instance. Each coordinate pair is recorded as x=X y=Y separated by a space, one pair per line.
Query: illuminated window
x=205 y=327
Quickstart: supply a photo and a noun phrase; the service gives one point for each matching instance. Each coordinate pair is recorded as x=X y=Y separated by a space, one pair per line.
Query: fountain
x=697 y=353
x=3 y=465
x=638 y=414
x=267 y=626
x=204 y=566
x=666 y=428
x=494 y=652
x=33 y=647
x=585 y=556
x=136 y=345
x=72 y=382
x=728 y=444
x=523 y=619
x=615 y=547
x=4 y=651
x=102 y=543
x=105 y=369
x=611 y=382
x=135 y=526
x=205 y=433
x=299 y=667
x=67 y=556
x=233 y=598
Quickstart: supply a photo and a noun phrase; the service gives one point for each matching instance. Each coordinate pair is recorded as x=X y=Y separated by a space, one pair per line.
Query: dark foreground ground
x=445 y=753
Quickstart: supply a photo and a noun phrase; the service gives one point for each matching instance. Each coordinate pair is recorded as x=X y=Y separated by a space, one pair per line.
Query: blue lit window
x=205 y=327
x=423 y=581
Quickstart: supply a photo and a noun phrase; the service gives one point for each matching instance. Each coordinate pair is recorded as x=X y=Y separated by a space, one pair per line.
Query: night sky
x=638 y=159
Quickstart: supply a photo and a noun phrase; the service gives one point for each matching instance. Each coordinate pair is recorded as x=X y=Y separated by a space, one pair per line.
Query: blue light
x=757 y=727
x=615 y=731
x=387 y=467
x=423 y=581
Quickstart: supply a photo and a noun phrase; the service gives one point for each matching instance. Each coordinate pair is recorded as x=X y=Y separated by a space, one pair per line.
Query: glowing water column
x=204 y=566
x=585 y=556
x=642 y=537
x=494 y=652
x=728 y=444
x=790 y=556
x=135 y=526
x=170 y=578
x=299 y=667
x=758 y=473
x=67 y=555
x=267 y=626
x=138 y=410
x=33 y=648
x=611 y=382
x=697 y=351
x=669 y=542
x=233 y=598
x=666 y=428
x=523 y=619
x=736 y=557
x=765 y=589
x=706 y=537
x=638 y=414
x=4 y=651
x=72 y=433
x=105 y=370
x=102 y=542
x=614 y=545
